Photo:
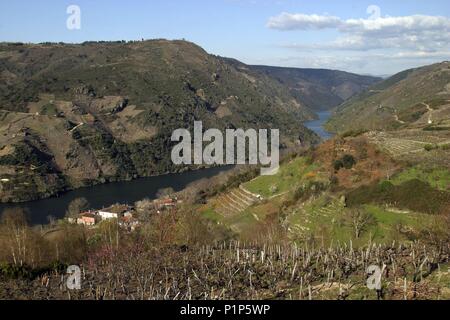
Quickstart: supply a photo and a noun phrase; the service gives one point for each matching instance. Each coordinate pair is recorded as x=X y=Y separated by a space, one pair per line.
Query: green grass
x=212 y=215
x=241 y=221
x=290 y=175
x=334 y=228
x=389 y=218
x=237 y=222
x=438 y=178
x=415 y=195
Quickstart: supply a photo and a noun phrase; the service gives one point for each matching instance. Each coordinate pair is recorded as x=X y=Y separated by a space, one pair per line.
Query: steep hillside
x=317 y=196
x=413 y=98
x=76 y=115
x=319 y=89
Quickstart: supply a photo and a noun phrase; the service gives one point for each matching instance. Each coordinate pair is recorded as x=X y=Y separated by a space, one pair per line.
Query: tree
x=359 y=220
x=161 y=230
x=348 y=161
x=17 y=233
x=193 y=229
x=165 y=193
x=77 y=206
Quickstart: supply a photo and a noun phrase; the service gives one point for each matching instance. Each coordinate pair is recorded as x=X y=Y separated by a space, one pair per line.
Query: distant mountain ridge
x=74 y=115
x=319 y=89
x=417 y=97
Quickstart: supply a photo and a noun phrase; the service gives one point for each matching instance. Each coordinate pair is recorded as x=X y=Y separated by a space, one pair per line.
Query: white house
x=108 y=215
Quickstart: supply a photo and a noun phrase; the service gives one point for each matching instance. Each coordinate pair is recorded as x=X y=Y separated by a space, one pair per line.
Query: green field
x=328 y=223
x=437 y=177
x=290 y=176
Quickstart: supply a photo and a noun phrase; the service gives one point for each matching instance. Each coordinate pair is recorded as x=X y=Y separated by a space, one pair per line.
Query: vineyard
x=237 y=271
x=235 y=201
x=417 y=146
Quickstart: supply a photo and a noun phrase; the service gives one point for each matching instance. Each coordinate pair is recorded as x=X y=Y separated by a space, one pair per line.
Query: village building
x=114 y=212
x=105 y=215
x=87 y=220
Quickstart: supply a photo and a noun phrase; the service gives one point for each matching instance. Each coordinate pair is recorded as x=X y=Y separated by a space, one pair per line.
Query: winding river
x=105 y=195
x=317 y=125
x=131 y=191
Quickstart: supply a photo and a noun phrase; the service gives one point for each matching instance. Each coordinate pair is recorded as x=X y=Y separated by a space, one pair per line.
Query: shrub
x=348 y=161
x=385 y=186
x=430 y=147
x=338 y=165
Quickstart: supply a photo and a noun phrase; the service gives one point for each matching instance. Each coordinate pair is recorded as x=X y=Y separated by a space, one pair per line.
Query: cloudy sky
x=377 y=37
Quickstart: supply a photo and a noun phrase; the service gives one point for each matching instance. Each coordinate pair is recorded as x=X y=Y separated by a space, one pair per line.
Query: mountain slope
x=76 y=115
x=319 y=89
x=413 y=98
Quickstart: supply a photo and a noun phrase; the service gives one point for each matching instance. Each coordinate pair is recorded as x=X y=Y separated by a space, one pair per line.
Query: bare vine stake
x=301 y=288
x=405 y=288
x=293 y=271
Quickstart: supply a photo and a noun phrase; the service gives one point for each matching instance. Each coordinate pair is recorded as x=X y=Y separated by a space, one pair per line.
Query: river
x=105 y=195
x=128 y=192
x=317 y=125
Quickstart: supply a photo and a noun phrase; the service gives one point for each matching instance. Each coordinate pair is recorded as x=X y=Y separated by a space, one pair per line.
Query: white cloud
x=416 y=32
x=414 y=55
x=288 y=21
x=300 y=21
x=378 y=45
x=373 y=63
x=395 y=25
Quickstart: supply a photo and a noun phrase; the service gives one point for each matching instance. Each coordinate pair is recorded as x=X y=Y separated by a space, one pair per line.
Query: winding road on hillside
x=430 y=113
x=397 y=118
x=429 y=109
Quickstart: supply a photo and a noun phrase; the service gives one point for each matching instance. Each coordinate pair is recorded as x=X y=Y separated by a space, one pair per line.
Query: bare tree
x=77 y=206
x=359 y=219
x=165 y=193
x=17 y=232
x=161 y=229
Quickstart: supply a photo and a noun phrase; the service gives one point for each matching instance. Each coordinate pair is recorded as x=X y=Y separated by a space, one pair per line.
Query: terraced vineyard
x=236 y=201
x=402 y=146
x=330 y=210
x=310 y=216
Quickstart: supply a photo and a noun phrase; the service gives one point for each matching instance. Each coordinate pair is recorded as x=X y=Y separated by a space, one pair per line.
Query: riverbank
x=105 y=195
x=318 y=125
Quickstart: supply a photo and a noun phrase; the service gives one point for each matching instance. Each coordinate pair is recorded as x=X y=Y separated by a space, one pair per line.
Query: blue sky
x=297 y=33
